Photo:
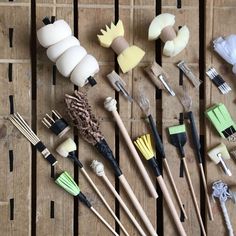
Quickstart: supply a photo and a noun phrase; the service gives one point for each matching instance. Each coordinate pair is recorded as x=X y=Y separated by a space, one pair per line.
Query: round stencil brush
x=145 y=147
x=98 y=168
x=68 y=149
x=65 y=181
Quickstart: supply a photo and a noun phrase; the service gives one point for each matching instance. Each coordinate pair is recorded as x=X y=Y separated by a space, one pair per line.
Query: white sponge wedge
x=66 y=147
x=56 y=50
x=53 y=33
x=86 y=68
x=70 y=59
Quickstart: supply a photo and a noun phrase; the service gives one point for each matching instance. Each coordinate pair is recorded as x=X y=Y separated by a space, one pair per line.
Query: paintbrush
x=65 y=181
x=178 y=138
x=186 y=101
x=98 y=168
x=68 y=149
x=144 y=104
x=145 y=147
x=81 y=115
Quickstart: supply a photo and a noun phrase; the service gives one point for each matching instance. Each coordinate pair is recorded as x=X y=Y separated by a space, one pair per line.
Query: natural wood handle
x=171 y=206
x=122 y=203
x=137 y=205
x=194 y=196
x=104 y=201
x=135 y=154
x=206 y=192
x=103 y=221
x=174 y=187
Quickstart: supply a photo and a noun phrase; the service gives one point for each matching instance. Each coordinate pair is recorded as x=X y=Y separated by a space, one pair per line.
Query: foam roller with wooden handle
x=65 y=50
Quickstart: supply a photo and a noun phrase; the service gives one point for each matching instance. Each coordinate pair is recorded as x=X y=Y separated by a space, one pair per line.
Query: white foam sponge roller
x=70 y=59
x=86 y=68
x=56 y=50
x=53 y=33
x=67 y=146
x=219 y=149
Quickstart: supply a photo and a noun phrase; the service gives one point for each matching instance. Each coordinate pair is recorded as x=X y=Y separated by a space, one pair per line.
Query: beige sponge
x=66 y=147
x=128 y=56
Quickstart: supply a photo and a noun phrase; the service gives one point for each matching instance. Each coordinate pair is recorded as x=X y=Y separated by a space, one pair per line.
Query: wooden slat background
x=30 y=203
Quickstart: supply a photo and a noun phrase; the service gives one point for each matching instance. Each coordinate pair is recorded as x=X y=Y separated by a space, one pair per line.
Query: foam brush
x=82 y=117
x=178 y=138
x=222 y=121
x=65 y=181
x=68 y=149
x=128 y=56
x=145 y=147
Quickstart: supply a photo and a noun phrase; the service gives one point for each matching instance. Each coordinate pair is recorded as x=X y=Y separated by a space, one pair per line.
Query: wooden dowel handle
x=122 y=203
x=175 y=188
x=194 y=196
x=206 y=192
x=104 y=201
x=137 y=205
x=135 y=154
x=171 y=206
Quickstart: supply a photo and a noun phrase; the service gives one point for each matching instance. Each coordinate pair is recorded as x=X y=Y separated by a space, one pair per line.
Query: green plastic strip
x=177 y=129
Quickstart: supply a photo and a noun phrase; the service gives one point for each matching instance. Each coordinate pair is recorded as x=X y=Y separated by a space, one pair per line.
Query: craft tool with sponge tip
x=178 y=138
x=72 y=60
x=223 y=122
x=145 y=147
x=110 y=105
x=24 y=128
x=65 y=181
x=145 y=107
x=68 y=149
x=218 y=155
x=98 y=168
x=56 y=123
x=128 y=56
x=82 y=117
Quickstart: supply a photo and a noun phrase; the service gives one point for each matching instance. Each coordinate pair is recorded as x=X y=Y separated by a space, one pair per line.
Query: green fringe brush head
x=65 y=181
x=144 y=145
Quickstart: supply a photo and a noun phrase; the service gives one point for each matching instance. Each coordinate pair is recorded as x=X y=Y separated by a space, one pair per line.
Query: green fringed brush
x=65 y=181
x=221 y=119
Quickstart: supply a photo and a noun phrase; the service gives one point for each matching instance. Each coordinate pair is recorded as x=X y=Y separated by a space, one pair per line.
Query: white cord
x=227 y=219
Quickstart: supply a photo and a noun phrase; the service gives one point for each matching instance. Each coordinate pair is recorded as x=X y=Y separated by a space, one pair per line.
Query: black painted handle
x=195 y=136
x=157 y=139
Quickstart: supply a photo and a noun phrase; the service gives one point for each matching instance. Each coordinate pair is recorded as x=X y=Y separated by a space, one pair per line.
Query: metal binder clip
x=118 y=84
x=189 y=74
x=159 y=77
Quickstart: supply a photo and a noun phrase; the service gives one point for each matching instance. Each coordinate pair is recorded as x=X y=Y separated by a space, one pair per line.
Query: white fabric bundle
x=226 y=48
x=64 y=49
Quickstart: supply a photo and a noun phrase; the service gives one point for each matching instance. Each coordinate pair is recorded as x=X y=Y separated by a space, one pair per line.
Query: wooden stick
x=171 y=205
x=110 y=105
x=175 y=188
x=104 y=200
x=193 y=196
x=137 y=205
x=206 y=192
x=104 y=221
x=126 y=209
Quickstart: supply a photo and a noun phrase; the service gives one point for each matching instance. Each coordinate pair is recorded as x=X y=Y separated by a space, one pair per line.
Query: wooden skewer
x=104 y=221
x=104 y=200
x=175 y=188
x=206 y=191
x=194 y=196
x=110 y=105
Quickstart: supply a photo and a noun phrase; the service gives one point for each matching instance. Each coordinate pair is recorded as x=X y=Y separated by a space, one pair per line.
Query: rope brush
x=65 y=181
x=81 y=115
x=145 y=147
x=68 y=149
x=24 y=128
x=223 y=122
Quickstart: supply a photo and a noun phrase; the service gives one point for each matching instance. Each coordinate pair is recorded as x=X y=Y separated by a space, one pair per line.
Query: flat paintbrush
x=81 y=115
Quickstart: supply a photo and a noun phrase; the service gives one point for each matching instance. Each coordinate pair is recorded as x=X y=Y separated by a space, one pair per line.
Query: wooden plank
x=96 y=95
x=224 y=11
x=54 y=206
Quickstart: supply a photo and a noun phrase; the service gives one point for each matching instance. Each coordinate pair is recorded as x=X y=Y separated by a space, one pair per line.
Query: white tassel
x=226 y=48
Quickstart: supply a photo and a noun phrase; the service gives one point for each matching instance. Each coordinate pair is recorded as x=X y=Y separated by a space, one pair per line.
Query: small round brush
x=65 y=181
